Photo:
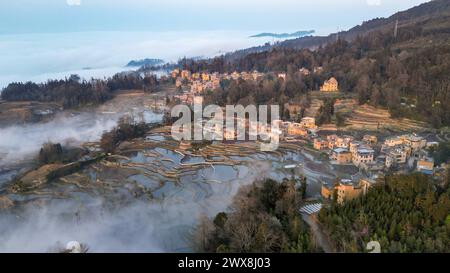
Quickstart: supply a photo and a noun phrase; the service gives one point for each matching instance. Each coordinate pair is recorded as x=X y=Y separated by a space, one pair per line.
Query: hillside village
x=271 y=143
x=399 y=154
x=192 y=84
x=372 y=155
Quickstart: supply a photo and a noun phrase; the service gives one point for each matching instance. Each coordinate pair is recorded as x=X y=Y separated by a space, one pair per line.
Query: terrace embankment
x=21 y=112
x=366 y=117
x=157 y=163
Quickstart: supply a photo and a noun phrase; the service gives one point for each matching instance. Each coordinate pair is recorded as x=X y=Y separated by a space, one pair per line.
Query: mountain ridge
x=296 y=34
x=424 y=14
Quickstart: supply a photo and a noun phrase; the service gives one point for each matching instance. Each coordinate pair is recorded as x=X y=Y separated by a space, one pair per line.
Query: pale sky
x=43 y=16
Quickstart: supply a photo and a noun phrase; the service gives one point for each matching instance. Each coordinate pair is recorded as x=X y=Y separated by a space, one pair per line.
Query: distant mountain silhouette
x=297 y=34
x=147 y=62
x=433 y=15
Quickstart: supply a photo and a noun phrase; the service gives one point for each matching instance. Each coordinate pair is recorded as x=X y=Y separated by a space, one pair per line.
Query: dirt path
x=321 y=239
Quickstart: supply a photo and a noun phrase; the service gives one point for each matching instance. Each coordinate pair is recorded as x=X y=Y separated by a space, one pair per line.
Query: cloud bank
x=105 y=53
x=374 y=2
x=73 y=2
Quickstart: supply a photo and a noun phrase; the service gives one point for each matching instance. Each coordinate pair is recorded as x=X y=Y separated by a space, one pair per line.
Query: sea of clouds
x=140 y=226
x=38 y=57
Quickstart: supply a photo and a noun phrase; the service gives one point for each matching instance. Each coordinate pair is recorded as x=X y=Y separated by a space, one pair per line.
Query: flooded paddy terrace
x=156 y=188
x=148 y=195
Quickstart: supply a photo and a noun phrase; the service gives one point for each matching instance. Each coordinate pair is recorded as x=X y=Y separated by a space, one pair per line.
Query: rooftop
x=341 y=150
x=415 y=138
x=365 y=151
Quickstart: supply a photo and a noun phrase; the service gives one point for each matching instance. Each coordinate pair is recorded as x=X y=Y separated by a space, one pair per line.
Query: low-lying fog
x=117 y=222
x=138 y=225
x=133 y=226
x=20 y=142
x=38 y=57
x=143 y=226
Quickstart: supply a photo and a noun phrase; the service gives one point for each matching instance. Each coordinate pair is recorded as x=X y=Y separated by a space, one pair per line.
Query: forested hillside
x=263 y=218
x=74 y=92
x=423 y=14
x=405 y=213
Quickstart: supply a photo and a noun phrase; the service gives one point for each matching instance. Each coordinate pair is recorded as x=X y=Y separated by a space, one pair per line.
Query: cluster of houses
x=346 y=150
x=399 y=151
x=371 y=157
x=302 y=128
x=306 y=72
x=405 y=153
x=201 y=82
x=408 y=150
x=286 y=129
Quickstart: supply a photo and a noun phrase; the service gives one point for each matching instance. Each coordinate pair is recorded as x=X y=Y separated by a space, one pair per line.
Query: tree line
x=54 y=153
x=263 y=217
x=73 y=92
x=125 y=130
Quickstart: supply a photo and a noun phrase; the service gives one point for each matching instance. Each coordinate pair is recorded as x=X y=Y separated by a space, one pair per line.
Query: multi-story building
x=346 y=189
x=297 y=129
x=331 y=139
x=186 y=74
x=320 y=144
x=415 y=142
x=353 y=146
x=309 y=123
x=370 y=139
x=394 y=141
x=175 y=73
x=397 y=155
x=330 y=85
x=341 y=156
x=363 y=155
x=340 y=142
x=425 y=165
x=205 y=77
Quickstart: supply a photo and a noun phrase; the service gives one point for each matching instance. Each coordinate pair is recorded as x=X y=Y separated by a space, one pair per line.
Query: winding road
x=321 y=238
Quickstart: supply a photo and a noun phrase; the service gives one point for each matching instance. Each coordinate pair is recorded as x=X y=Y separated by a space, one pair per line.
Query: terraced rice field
x=366 y=117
